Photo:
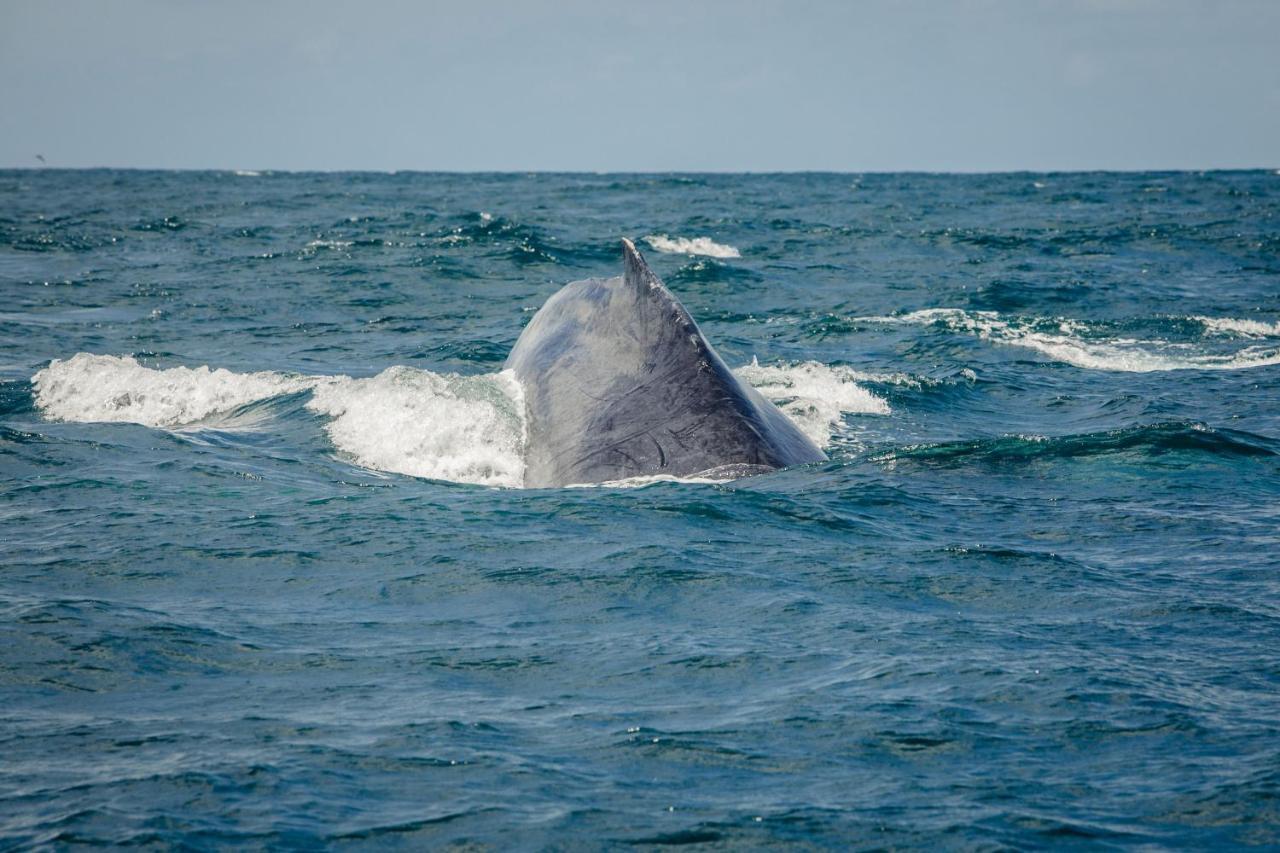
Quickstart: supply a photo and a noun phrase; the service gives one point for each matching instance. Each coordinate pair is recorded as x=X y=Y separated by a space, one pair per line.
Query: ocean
x=268 y=577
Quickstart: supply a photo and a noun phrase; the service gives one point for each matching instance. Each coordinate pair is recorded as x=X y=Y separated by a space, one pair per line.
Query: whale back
x=619 y=382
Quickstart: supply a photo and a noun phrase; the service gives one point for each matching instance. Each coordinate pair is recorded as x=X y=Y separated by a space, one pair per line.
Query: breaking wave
x=691 y=246
x=89 y=387
x=1103 y=346
x=815 y=396
x=1239 y=328
x=467 y=429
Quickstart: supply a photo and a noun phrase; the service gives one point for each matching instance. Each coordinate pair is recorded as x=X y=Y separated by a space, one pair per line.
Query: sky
x=646 y=85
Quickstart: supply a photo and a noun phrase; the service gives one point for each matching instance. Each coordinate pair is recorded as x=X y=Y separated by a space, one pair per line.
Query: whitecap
x=813 y=395
x=1086 y=345
x=650 y=480
x=691 y=246
x=90 y=388
x=1241 y=328
x=468 y=429
x=406 y=421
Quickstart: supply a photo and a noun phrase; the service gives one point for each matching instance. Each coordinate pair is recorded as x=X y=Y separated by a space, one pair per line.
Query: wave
x=403 y=421
x=712 y=271
x=691 y=246
x=1149 y=440
x=89 y=387
x=1095 y=345
x=1241 y=328
x=815 y=396
x=467 y=429
x=650 y=480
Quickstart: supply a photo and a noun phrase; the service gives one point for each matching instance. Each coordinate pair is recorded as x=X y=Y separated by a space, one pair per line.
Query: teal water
x=299 y=599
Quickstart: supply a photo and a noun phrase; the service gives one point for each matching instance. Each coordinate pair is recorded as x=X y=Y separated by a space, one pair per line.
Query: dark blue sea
x=268 y=577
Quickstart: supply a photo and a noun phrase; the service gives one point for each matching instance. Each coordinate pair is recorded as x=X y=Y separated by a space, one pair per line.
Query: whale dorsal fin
x=635 y=271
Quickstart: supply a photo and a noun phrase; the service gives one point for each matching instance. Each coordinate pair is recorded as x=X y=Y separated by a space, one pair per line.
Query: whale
x=620 y=383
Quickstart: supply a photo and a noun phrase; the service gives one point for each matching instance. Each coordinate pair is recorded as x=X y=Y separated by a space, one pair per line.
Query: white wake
x=468 y=429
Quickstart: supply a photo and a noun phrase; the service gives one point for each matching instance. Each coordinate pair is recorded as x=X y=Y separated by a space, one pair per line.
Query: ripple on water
x=1029 y=601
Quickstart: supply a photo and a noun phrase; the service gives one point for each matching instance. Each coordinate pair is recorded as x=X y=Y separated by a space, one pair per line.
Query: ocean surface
x=268 y=576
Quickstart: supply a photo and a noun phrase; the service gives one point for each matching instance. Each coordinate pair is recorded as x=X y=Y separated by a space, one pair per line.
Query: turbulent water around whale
x=268 y=575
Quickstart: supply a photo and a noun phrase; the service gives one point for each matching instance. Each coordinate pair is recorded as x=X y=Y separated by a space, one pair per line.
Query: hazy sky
x=488 y=84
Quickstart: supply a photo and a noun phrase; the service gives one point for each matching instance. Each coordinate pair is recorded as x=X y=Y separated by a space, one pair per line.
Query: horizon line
x=261 y=171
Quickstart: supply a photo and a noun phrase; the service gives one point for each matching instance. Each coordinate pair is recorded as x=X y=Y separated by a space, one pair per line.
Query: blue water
x=1033 y=599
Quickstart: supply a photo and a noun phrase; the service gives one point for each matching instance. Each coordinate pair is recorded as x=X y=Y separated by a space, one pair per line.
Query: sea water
x=268 y=576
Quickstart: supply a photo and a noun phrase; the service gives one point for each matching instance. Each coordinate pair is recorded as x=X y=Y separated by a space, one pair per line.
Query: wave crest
x=468 y=429
x=1095 y=346
x=815 y=396
x=1150 y=440
x=691 y=246
x=404 y=421
x=1241 y=328
x=90 y=387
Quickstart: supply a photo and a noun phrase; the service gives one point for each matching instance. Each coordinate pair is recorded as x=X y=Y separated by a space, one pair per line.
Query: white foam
x=469 y=429
x=814 y=396
x=89 y=387
x=407 y=421
x=330 y=244
x=651 y=480
x=1074 y=342
x=1241 y=328
x=691 y=246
